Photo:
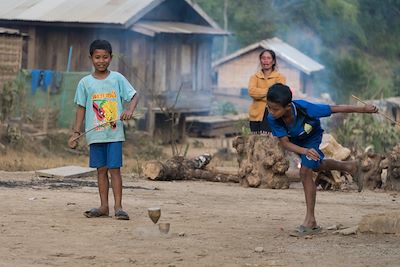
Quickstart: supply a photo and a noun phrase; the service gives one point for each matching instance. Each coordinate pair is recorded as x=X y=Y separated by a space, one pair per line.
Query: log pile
x=381 y=171
x=262 y=162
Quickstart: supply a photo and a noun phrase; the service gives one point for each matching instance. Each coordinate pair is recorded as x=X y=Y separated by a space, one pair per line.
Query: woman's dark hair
x=100 y=44
x=273 y=55
x=280 y=94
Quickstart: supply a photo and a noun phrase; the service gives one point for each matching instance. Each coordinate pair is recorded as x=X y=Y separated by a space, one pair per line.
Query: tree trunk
x=179 y=168
x=262 y=162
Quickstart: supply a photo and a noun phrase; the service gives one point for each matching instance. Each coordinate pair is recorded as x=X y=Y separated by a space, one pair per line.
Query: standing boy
x=99 y=98
x=297 y=125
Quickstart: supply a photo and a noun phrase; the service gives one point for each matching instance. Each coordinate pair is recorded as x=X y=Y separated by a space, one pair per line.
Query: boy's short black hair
x=280 y=94
x=100 y=44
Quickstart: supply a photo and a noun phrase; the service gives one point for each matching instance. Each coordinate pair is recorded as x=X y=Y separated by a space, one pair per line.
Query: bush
x=359 y=131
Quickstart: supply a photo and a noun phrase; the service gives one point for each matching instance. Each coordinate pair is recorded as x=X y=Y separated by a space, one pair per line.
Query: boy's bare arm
x=128 y=114
x=309 y=152
x=354 y=109
x=79 y=117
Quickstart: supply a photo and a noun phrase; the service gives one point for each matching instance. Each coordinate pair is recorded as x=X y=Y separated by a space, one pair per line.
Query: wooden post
x=46 y=115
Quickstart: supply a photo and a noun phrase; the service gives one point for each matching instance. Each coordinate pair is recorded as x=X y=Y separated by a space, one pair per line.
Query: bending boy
x=99 y=98
x=297 y=125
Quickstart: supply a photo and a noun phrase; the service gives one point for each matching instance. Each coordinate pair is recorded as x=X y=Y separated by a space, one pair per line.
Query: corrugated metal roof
x=282 y=50
x=153 y=27
x=86 y=11
x=119 y=12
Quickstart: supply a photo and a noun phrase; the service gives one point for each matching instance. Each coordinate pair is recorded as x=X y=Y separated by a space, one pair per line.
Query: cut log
x=179 y=168
x=332 y=149
x=262 y=162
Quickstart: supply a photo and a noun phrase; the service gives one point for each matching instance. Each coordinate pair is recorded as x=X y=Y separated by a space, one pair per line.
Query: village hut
x=162 y=46
x=232 y=72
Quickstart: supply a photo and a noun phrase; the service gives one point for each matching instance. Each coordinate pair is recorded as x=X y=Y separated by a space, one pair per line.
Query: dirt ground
x=212 y=224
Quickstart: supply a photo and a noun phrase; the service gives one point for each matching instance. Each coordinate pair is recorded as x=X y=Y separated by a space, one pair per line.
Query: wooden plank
x=32 y=48
x=66 y=172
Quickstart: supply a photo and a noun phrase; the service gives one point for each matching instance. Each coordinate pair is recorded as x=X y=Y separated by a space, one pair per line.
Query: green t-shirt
x=103 y=101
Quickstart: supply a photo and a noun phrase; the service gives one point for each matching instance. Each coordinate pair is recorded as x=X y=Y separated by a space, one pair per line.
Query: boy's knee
x=305 y=171
x=115 y=172
x=102 y=170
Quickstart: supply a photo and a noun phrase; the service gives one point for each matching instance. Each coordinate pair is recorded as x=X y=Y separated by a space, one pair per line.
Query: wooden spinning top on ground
x=154 y=214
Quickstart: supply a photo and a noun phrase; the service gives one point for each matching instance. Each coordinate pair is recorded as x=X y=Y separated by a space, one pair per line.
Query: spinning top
x=154 y=214
x=164 y=227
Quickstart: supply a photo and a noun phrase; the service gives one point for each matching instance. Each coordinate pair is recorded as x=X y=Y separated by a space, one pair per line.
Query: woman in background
x=259 y=84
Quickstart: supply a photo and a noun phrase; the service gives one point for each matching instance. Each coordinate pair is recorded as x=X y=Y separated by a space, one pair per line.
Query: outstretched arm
x=354 y=109
x=309 y=152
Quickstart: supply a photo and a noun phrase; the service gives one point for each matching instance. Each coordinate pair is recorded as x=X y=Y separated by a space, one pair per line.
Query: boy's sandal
x=121 y=215
x=304 y=231
x=94 y=213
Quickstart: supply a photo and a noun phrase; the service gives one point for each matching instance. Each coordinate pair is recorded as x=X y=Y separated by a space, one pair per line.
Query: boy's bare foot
x=309 y=224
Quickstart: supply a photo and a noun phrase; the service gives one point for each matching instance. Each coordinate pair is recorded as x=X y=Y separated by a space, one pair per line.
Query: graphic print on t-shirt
x=105 y=108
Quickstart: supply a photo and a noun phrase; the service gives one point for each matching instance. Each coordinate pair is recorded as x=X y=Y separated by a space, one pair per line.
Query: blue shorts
x=311 y=142
x=106 y=155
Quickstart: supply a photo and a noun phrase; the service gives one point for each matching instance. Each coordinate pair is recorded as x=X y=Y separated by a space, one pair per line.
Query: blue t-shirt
x=306 y=121
x=103 y=101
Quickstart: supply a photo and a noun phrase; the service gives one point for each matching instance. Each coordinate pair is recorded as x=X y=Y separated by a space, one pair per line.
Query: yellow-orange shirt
x=258 y=88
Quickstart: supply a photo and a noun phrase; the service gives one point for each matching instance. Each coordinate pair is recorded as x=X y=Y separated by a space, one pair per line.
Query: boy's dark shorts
x=311 y=142
x=106 y=155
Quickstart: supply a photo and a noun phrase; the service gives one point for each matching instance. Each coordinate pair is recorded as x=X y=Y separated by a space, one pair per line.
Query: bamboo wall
x=10 y=57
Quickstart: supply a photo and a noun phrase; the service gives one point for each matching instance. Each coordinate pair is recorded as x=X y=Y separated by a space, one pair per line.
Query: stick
x=91 y=129
x=380 y=113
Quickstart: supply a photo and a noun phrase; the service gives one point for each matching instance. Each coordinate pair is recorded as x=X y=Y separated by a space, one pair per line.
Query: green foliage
x=353 y=76
x=359 y=131
x=9 y=96
x=242 y=126
x=396 y=82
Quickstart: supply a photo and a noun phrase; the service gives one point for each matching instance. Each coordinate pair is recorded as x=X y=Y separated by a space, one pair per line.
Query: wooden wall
x=162 y=63
x=236 y=73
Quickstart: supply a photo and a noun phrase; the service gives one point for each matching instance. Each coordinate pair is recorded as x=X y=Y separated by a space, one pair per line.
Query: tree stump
x=371 y=170
x=393 y=174
x=179 y=168
x=262 y=162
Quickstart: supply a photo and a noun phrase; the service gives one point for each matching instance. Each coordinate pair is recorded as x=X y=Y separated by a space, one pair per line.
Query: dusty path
x=222 y=226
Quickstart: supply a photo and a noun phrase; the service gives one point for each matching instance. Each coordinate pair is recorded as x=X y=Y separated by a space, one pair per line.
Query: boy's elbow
x=135 y=96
